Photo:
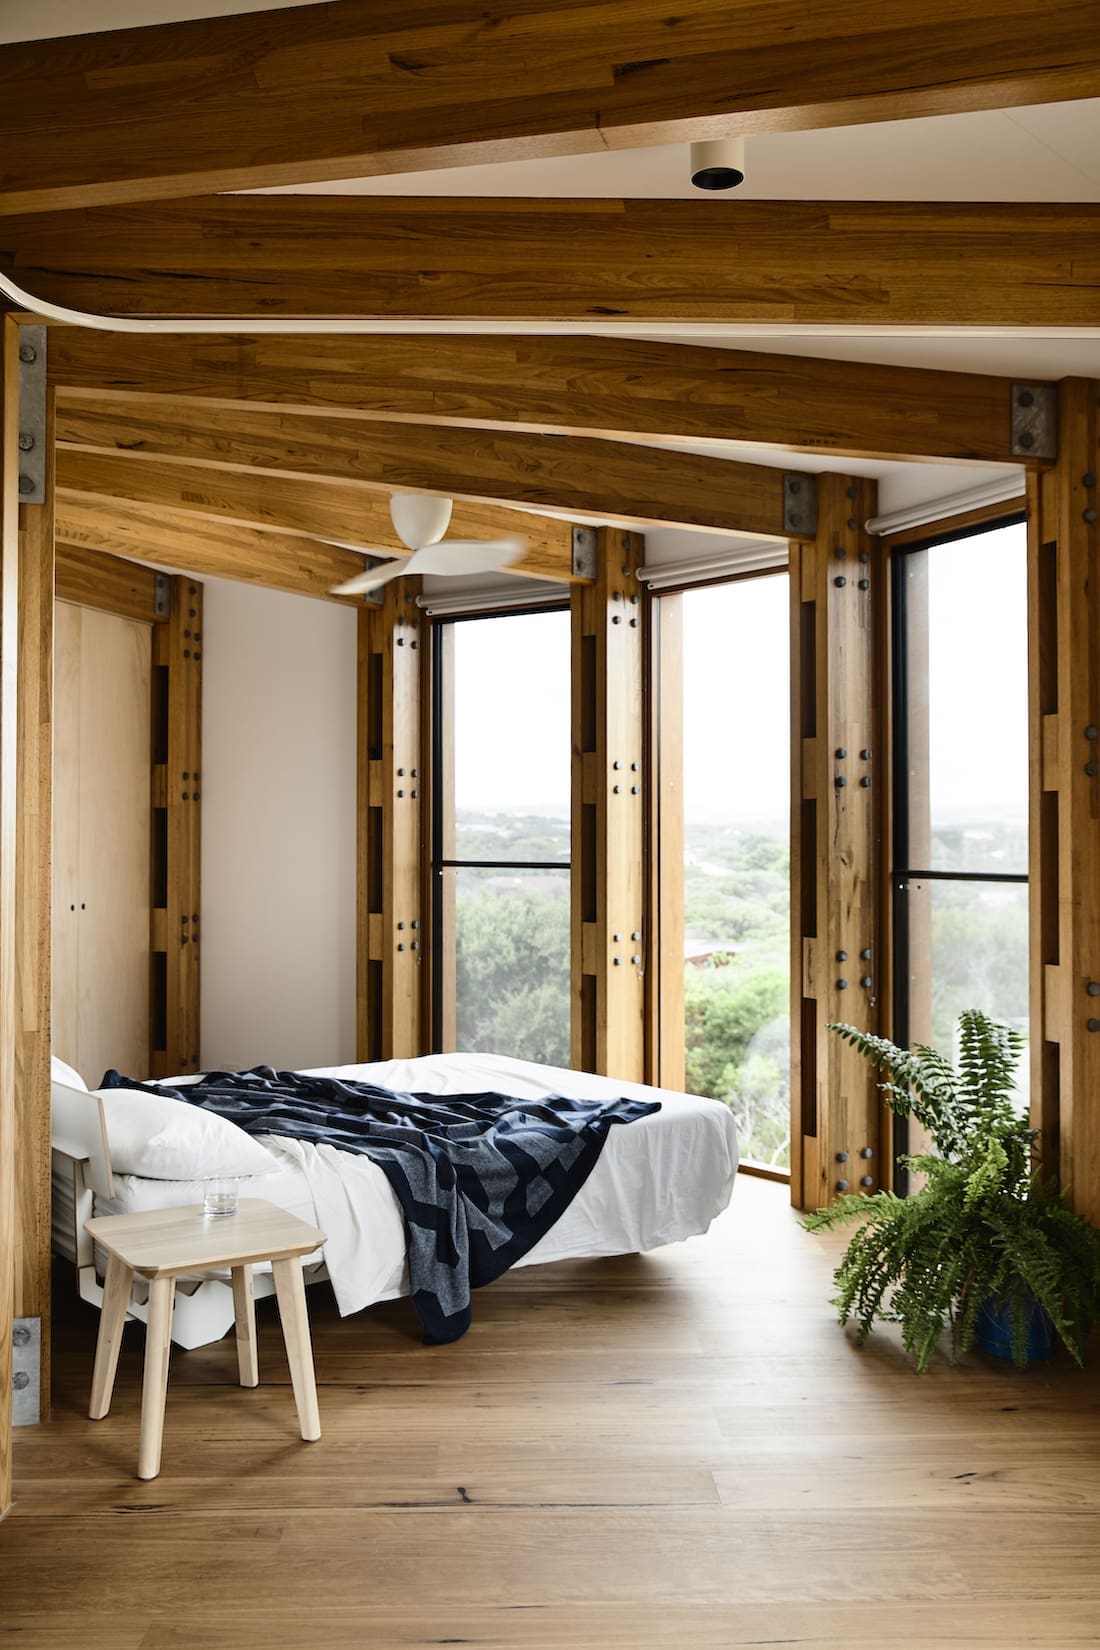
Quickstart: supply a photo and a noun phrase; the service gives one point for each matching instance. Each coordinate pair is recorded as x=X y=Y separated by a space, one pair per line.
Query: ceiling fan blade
x=455 y=557
x=371 y=577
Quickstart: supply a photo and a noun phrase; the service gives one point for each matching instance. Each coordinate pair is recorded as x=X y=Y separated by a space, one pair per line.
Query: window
x=736 y=855
x=961 y=785
x=501 y=847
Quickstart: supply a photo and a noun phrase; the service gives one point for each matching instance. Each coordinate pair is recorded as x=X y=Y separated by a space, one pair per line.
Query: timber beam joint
x=800 y=505
x=1035 y=421
x=32 y=415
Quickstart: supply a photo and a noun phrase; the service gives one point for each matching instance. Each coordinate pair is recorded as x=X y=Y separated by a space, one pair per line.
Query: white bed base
x=203 y=1310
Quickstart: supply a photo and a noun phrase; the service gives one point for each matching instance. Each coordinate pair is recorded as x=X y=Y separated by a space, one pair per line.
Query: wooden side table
x=163 y=1243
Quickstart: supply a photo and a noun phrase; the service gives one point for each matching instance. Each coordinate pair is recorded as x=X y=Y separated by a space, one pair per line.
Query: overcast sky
x=512 y=711
x=512 y=691
x=737 y=701
x=977 y=622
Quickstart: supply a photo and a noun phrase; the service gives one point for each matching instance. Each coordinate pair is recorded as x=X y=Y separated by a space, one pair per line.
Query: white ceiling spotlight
x=420 y=521
x=719 y=164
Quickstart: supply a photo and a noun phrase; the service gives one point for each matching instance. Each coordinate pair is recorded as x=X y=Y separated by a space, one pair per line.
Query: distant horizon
x=1006 y=814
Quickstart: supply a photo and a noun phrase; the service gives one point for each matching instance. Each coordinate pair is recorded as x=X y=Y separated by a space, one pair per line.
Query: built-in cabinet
x=102 y=821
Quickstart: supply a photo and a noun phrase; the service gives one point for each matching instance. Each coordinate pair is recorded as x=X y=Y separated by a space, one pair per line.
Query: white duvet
x=658 y=1180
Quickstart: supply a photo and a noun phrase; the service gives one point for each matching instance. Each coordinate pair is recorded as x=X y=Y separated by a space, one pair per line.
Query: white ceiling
x=1049 y=152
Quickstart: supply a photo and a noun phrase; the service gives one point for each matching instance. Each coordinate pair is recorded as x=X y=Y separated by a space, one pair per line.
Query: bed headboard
x=78 y=1128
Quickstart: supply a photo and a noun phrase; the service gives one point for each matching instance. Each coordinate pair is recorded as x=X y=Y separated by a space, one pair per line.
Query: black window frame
x=902 y=874
x=438 y=863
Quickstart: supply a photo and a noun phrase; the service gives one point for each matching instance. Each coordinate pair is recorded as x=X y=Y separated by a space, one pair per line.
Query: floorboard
x=680 y=1451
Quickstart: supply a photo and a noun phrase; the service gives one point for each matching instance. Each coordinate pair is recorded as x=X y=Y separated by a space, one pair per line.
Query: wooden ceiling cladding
x=608 y=387
x=615 y=262
x=625 y=481
x=313 y=507
x=362 y=86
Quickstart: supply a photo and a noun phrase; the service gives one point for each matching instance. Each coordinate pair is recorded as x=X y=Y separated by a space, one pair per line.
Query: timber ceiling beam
x=610 y=387
x=542 y=262
x=616 y=481
x=223 y=550
x=378 y=86
x=313 y=507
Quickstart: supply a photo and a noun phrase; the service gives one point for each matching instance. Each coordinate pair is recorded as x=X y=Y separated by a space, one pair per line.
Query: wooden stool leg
x=158 y=1337
x=244 y=1311
x=112 y=1317
x=291 y=1293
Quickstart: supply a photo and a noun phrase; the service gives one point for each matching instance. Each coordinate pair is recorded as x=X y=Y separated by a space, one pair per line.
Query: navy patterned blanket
x=480 y=1177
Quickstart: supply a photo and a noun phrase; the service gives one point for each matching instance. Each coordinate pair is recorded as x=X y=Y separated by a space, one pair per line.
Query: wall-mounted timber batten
x=32 y=912
x=579 y=386
x=11 y=519
x=510 y=262
x=176 y=933
x=366 y=86
x=391 y=995
x=1064 y=672
x=609 y=943
x=576 y=473
x=313 y=507
x=835 y=802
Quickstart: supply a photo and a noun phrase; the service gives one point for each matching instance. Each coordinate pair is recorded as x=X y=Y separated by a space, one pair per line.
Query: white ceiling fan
x=420 y=521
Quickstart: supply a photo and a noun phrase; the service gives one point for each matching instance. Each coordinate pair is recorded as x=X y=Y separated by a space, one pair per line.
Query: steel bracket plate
x=584 y=552
x=1035 y=420
x=26 y=1360
x=32 y=415
x=162 y=596
x=800 y=505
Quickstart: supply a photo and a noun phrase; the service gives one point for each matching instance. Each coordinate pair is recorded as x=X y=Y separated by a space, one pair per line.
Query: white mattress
x=658 y=1180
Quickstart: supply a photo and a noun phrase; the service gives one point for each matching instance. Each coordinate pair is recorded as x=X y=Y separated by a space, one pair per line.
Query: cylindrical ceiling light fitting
x=719 y=164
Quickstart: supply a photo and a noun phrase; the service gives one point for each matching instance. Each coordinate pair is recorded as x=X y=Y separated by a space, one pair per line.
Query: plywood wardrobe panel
x=102 y=833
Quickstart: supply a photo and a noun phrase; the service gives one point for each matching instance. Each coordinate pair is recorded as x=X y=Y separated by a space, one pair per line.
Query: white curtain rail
x=766 y=559
x=1005 y=490
x=492 y=601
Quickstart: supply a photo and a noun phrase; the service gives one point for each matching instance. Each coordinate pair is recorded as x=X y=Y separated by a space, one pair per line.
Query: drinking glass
x=219 y=1195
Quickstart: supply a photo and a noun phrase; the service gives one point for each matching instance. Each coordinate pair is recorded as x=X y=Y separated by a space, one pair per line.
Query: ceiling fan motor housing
x=419 y=519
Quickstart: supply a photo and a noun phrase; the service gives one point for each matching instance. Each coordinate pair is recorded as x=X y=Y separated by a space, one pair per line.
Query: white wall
x=278 y=829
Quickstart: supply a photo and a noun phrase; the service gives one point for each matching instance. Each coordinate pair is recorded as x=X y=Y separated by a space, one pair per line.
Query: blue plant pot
x=993 y=1331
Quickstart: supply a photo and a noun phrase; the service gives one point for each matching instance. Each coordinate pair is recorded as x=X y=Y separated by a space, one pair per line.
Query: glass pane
x=737 y=856
x=968 y=948
x=512 y=737
x=966 y=613
x=512 y=963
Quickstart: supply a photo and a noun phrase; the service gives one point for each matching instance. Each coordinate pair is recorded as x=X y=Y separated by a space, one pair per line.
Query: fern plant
x=984 y=1230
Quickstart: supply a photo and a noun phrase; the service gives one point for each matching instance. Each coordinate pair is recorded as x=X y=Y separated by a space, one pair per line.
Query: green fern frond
x=984 y=1227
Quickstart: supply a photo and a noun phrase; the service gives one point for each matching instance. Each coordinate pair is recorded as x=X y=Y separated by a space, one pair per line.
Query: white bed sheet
x=658 y=1180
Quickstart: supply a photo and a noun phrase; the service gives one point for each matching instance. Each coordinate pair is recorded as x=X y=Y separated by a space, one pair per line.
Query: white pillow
x=61 y=1073
x=163 y=1139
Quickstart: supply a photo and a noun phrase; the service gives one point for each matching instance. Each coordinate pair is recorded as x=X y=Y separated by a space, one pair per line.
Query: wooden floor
x=673 y=1452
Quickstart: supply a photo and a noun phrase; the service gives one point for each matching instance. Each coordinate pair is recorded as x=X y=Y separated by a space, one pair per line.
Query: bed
x=660 y=1180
